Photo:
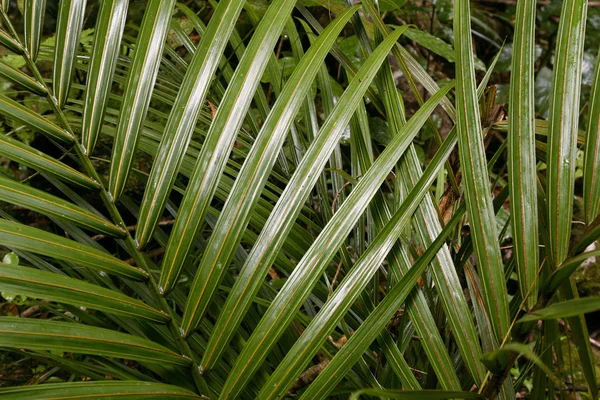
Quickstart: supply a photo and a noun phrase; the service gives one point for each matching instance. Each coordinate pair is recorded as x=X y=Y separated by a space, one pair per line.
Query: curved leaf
x=50 y=286
x=35 y=334
x=138 y=92
x=27 y=155
x=127 y=390
x=68 y=31
x=107 y=40
x=181 y=122
x=562 y=274
x=42 y=202
x=23 y=237
x=11 y=109
x=33 y=23
x=565 y=309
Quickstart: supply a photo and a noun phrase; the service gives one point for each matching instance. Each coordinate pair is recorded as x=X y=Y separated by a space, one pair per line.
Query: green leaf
x=23 y=237
x=591 y=234
x=27 y=155
x=136 y=99
x=433 y=43
x=42 y=202
x=107 y=41
x=566 y=269
x=427 y=226
x=581 y=338
x=250 y=181
x=289 y=205
x=11 y=109
x=35 y=334
x=50 y=286
x=591 y=169
x=500 y=358
x=182 y=120
x=565 y=309
x=248 y=187
x=521 y=149
x=128 y=390
x=563 y=126
x=356 y=280
x=475 y=176
x=15 y=76
x=316 y=259
x=33 y=24
x=68 y=31
x=7 y=41
x=376 y=321
x=416 y=395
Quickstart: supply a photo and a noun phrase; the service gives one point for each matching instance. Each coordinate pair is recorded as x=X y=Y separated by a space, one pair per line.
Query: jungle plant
x=275 y=249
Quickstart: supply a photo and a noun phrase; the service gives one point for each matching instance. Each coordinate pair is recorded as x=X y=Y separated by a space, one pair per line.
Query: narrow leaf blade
x=128 y=390
x=565 y=309
x=42 y=202
x=33 y=23
x=7 y=41
x=563 y=125
x=521 y=150
x=20 y=78
x=50 y=286
x=107 y=40
x=23 y=237
x=182 y=119
x=251 y=178
x=475 y=176
x=136 y=99
x=374 y=323
x=31 y=157
x=68 y=31
x=357 y=279
x=11 y=109
x=591 y=162
x=34 y=334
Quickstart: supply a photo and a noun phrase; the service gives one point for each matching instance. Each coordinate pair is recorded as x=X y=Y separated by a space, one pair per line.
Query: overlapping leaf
x=181 y=122
x=142 y=75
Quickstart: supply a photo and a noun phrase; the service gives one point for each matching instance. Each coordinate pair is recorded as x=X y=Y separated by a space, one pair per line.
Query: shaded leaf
x=34 y=334
x=49 y=286
x=40 y=201
x=23 y=237
x=11 y=109
x=94 y=390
